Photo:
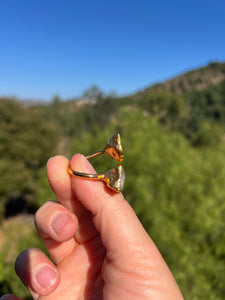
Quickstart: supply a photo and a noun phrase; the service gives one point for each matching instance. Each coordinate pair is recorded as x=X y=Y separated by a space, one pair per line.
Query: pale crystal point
x=122 y=178
x=115 y=178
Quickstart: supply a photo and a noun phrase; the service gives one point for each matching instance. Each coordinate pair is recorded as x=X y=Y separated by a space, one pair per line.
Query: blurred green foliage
x=26 y=142
x=14 y=243
x=177 y=192
x=175 y=171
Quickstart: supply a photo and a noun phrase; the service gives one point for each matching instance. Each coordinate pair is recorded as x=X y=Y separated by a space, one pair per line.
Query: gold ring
x=113 y=178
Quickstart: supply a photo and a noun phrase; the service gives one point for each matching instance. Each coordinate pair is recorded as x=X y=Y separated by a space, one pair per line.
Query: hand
x=98 y=245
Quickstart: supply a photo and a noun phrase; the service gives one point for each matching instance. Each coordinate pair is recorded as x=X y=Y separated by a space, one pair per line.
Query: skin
x=98 y=246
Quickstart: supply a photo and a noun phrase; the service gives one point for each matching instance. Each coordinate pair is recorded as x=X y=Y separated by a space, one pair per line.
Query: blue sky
x=62 y=47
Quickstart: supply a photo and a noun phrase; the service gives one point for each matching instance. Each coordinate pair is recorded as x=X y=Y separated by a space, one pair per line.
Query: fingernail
x=61 y=222
x=45 y=277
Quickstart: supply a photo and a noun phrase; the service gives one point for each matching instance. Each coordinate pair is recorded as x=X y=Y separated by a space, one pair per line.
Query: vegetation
x=177 y=192
x=13 y=244
x=175 y=169
x=197 y=79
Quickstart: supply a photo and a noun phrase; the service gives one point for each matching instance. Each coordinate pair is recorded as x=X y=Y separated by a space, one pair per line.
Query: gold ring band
x=113 y=178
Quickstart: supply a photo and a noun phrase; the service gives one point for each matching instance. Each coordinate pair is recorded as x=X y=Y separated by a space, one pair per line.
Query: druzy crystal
x=122 y=178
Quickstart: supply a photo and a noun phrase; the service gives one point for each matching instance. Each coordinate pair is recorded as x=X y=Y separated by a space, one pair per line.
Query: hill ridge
x=197 y=79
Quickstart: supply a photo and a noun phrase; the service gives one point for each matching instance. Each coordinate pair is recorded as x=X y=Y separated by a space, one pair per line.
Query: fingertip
x=59 y=179
x=94 y=191
x=57 y=170
x=37 y=272
x=80 y=163
x=45 y=277
x=113 y=216
x=64 y=226
x=56 y=162
x=54 y=221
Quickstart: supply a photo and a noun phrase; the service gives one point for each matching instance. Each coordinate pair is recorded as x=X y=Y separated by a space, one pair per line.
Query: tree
x=169 y=109
x=93 y=92
x=26 y=142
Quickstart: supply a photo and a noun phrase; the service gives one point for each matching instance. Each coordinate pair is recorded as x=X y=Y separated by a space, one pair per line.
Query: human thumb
x=129 y=248
x=120 y=229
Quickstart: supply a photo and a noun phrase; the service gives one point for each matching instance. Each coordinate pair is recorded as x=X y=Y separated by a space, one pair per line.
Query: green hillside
x=197 y=79
x=175 y=171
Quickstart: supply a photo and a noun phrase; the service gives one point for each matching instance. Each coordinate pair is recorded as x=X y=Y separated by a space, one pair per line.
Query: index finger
x=60 y=182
